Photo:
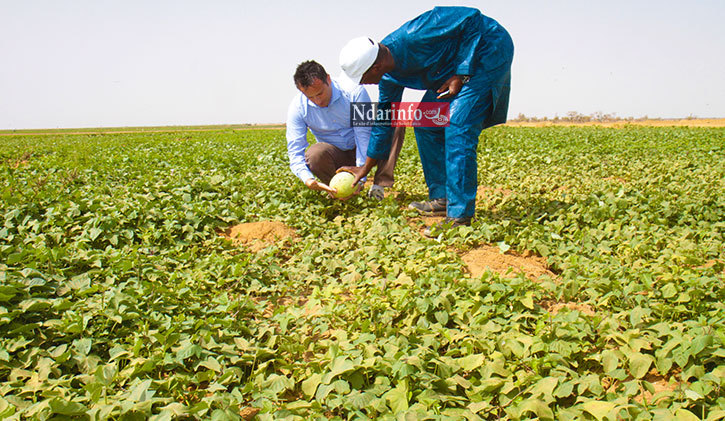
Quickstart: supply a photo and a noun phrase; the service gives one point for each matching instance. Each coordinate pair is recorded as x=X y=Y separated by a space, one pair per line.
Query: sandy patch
x=257 y=235
x=249 y=413
x=507 y=264
x=659 y=384
x=683 y=122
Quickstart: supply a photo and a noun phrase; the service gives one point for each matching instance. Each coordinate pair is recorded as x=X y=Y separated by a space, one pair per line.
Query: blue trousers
x=448 y=154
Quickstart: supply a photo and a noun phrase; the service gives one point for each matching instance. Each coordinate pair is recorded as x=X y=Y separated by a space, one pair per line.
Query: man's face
x=318 y=92
x=372 y=76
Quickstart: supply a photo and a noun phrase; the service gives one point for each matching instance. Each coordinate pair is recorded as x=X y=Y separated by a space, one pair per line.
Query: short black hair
x=307 y=72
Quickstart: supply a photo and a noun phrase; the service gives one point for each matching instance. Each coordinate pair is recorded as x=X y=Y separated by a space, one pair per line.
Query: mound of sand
x=258 y=235
x=506 y=264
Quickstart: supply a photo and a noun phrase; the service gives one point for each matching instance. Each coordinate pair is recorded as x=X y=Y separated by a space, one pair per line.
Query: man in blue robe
x=457 y=55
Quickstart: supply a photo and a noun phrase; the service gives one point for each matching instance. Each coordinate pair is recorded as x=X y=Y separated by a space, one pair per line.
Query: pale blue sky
x=100 y=63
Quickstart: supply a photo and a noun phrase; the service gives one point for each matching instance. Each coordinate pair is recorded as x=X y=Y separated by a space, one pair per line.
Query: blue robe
x=428 y=50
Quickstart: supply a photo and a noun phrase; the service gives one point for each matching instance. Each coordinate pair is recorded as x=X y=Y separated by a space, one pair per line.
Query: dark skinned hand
x=452 y=85
x=360 y=172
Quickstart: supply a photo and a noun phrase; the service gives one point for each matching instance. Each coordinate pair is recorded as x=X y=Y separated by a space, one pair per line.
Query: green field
x=119 y=298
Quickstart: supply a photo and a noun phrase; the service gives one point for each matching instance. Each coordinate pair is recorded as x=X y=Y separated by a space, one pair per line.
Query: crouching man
x=323 y=107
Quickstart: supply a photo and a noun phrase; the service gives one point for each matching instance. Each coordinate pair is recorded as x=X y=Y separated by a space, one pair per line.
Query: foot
x=376 y=192
x=436 y=229
x=435 y=207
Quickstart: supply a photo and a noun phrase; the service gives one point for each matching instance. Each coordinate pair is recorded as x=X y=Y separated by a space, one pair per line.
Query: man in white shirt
x=323 y=107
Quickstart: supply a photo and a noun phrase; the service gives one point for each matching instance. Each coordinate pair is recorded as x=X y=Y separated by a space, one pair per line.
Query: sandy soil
x=685 y=122
x=507 y=264
x=257 y=235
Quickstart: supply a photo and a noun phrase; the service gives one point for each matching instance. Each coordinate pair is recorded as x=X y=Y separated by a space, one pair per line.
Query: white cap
x=357 y=56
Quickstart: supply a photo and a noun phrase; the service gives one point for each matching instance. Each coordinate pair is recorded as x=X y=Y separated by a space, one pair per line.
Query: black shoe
x=436 y=207
x=435 y=230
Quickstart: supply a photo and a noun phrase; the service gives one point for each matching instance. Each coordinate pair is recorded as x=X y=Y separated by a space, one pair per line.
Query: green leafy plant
x=119 y=298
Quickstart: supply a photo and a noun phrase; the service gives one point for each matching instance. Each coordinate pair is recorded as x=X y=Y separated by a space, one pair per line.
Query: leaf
x=83 y=346
x=544 y=387
x=276 y=384
x=341 y=387
x=636 y=315
x=461 y=381
x=397 y=398
x=212 y=364
x=564 y=389
x=309 y=386
x=682 y=414
x=7 y=292
x=94 y=233
x=224 y=415
x=404 y=279
x=610 y=361
x=470 y=362
x=692 y=395
x=63 y=407
x=6 y=409
x=138 y=393
x=715 y=415
x=492 y=384
x=528 y=302
x=339 y=366
x=14 y=258
x=699 y=344
x=669 y=291
x=297 y=405
x=639 y=364
x=187 y=350
x=217 y=179
x=322 y=391
x=503 y=247
x=361 y=400
x=106 y=373
x=537 y=407
x=477 y=407
x=441 y=317
x=170 y=412
x=598 y=409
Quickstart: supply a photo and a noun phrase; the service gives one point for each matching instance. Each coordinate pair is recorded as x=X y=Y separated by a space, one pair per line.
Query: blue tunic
x=428 y=50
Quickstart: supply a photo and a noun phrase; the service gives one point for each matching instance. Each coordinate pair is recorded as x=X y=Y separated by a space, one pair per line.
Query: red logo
x=420 y=114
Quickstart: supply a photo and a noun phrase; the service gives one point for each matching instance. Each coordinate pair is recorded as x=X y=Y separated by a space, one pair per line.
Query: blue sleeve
x=297 y=142
x=381 y=136
x=362 y=133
